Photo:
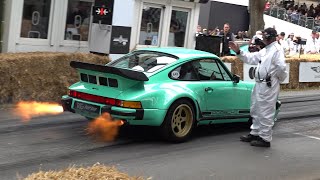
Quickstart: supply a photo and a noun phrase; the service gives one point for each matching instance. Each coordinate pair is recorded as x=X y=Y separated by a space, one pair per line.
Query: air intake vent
x=92 y=79
x=103 y=81
x=84 y=77
x=113 y=82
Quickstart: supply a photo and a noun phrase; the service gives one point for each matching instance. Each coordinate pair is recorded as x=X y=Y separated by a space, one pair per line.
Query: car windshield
x=145 y=61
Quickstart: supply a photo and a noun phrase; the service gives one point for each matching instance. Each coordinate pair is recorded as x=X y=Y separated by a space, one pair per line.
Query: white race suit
x=270 y=61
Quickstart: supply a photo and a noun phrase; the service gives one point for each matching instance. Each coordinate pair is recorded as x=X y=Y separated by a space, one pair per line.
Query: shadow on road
x=152 y=134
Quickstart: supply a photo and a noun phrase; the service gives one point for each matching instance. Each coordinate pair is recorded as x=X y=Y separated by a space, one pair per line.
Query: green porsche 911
x=175 y=89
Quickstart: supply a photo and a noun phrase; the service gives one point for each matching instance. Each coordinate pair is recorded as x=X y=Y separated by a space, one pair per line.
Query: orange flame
x=104 y=128
x=27 y=110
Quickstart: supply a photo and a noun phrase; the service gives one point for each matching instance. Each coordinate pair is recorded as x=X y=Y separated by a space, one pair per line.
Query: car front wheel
x=179 y=121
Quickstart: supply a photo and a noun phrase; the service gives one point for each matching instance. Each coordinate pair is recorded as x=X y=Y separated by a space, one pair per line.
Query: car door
x=187 y=81
x=224 y=98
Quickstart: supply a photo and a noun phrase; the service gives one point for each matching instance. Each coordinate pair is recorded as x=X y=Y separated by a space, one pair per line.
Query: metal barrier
x=310 y=23
x=302 y=21
x=281 y=13
x=274 y=12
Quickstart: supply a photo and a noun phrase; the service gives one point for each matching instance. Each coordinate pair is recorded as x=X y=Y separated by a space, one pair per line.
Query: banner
x=249 y=71
x=309 y=72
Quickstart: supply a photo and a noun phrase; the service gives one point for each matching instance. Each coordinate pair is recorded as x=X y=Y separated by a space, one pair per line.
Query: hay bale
x=39 y=76
x=46 y=76
x=294 y=72
x=236 y=65
x=95 y=172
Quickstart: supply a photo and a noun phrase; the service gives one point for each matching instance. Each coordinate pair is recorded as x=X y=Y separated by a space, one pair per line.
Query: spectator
x=294 y=17
x=240 y=35
x=312 y=45
x=255 y=43
x=283 y=43
x=214 y=32
x=199 y=30
x=227 y=37
x=292 y=45
x=246 y=34
x=205 y=31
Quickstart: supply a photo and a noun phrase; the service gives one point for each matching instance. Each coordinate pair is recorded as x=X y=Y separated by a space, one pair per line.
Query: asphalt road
x=215 y=152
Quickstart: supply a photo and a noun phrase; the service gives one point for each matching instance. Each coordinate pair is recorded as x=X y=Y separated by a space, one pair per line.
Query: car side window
x=224 y=73
x=185 y=72
x=209 y=69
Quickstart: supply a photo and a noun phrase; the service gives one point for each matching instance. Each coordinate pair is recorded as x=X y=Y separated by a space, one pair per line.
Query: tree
x=256 y=9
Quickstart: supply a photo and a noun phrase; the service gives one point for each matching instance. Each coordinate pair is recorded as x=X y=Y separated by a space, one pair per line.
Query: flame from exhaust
x=27 y=110
x=104 y=128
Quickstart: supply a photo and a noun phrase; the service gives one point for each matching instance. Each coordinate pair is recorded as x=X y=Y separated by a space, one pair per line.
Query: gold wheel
x=182 y=120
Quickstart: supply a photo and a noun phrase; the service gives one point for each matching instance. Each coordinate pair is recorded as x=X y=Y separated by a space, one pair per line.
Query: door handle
x=208 y=89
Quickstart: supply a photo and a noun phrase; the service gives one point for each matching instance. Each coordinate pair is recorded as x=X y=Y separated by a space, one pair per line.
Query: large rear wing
x=130 y=74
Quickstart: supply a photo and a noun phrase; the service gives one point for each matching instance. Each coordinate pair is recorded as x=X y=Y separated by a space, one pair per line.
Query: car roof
x=181 y=53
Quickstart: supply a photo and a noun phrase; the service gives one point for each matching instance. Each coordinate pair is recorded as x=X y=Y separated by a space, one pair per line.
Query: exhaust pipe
x=66 y=104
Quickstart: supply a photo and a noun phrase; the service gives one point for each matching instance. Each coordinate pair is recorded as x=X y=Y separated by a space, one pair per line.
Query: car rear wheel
x=179 y=121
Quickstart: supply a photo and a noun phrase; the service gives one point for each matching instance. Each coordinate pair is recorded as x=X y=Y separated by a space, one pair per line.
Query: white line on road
x=312 y=137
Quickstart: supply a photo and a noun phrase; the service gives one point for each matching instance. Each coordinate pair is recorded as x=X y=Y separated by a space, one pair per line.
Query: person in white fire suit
x=270 y=72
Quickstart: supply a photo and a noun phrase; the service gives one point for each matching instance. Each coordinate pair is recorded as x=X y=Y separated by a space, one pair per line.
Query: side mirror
x=236 y=78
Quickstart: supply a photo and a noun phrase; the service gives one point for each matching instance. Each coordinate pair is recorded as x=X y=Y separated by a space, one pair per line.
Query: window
x=145 y=61
x=185 y=72
x=178 y=28
x=224 y=73
x=162 y=23
x=35 y=19
x=210 y=69
x=78 y=20
x=150 y=25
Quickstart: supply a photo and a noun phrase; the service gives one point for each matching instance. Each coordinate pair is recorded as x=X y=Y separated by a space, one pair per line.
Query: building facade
x=217 y=12
x=70 y=25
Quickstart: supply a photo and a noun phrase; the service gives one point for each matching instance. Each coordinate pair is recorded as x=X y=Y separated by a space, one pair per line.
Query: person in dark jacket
x=227 y=36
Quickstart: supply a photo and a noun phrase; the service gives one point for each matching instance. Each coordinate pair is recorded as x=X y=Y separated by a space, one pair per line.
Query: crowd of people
x=216 y=31
x=312 y=11
x=226 y=34
x=292 y=44
x=297 y=12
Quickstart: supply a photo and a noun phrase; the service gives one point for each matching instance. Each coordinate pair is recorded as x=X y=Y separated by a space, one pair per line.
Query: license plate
x=87 y=107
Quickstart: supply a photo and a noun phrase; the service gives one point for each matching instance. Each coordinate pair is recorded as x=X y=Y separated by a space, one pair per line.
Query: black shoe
x=260 y=143
x=248 y=138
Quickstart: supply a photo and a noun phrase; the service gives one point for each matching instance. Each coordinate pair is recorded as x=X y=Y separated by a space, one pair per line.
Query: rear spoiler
x=130 y=74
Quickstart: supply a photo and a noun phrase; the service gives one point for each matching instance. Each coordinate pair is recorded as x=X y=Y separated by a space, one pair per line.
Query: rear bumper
x=117 y=112
x=148 y=117
x=138 y=114
x=67 y=104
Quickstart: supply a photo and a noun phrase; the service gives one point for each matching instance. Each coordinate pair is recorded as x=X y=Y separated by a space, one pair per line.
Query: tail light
x=105 y=100
x=132 y=104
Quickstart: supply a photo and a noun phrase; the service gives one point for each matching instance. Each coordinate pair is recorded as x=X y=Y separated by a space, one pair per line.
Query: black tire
x=180 y=114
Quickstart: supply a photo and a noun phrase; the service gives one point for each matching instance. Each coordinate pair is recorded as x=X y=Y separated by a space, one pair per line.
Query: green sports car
x=175 y=89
